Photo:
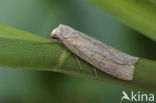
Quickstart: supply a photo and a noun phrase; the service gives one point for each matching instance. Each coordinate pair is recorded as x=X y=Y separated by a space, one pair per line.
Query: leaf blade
x=138 y=14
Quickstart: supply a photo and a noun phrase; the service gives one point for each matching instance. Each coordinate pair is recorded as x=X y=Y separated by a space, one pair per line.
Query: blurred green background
x=41 y=17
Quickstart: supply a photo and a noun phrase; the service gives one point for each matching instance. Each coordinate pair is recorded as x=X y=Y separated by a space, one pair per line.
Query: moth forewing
x=100 y=55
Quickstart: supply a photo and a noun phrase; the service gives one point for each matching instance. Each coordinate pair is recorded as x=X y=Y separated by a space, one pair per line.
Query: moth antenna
x=45 y=42
x=78 y=62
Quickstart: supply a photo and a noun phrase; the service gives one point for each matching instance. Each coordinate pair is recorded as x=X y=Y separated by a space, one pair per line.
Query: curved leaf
x=138 y=14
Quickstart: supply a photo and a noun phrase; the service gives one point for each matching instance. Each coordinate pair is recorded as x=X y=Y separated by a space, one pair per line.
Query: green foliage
x=138 y=14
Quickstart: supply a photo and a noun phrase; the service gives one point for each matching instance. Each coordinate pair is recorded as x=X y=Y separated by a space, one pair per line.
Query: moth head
x=54 y=34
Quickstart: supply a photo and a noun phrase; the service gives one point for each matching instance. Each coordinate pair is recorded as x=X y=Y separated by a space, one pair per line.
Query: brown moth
x=98 y=54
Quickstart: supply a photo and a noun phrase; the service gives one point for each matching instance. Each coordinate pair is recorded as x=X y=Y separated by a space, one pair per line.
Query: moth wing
x=103 y=57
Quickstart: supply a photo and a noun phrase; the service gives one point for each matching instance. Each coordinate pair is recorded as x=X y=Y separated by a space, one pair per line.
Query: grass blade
x=138 y=14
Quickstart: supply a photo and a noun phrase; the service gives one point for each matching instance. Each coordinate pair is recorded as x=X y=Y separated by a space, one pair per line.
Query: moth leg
x=78 y=62
x=95 y=72
x=46 y=42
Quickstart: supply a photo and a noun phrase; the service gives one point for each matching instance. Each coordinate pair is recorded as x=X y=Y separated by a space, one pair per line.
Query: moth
x=98 y=54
